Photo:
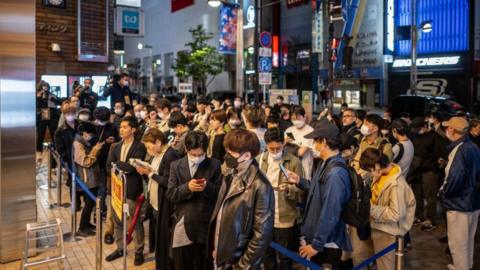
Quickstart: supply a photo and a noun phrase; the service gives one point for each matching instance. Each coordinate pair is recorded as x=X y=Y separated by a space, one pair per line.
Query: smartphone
x=289 y=134
x=284 y=171
x=201 y=181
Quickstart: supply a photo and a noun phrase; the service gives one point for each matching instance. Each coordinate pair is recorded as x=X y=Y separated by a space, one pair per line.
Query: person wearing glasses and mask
x=193 y=186
x=349 y=127
x=287 y=196
x=242 y=221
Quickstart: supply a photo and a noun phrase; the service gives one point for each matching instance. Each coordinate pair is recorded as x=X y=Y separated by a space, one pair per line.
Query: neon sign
x=428 y=61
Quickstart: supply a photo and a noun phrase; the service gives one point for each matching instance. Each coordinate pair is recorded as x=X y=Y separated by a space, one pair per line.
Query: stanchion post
x=399 y=253
x=49 y=166
x=124 y=212
x=74 y=207
x=99 y=247
x=59 y=182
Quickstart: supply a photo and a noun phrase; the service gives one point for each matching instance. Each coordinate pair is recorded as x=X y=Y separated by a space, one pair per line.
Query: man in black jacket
x=349 y=127
x=88 y=98
x=422 y=174
x=119 y=92
x=192 y=188
x=242 y=222
x=120 y=154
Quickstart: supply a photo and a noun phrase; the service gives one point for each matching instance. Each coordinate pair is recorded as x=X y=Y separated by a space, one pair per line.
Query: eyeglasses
x=347 y=116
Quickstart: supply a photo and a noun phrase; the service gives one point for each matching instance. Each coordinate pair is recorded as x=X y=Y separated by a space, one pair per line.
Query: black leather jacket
x=246 y=228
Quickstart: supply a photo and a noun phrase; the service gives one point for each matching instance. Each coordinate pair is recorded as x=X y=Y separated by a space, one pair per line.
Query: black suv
x=417 y=105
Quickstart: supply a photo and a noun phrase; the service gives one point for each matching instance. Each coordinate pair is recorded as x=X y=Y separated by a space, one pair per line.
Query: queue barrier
x=83 y=186
x=397 y=246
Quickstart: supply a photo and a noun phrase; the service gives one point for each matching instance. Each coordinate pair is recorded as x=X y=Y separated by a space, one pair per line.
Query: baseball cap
x=323 y=129
x=457 y=123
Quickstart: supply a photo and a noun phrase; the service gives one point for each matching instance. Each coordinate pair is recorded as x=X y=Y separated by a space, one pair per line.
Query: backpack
x=401 y=151
x=356 y=211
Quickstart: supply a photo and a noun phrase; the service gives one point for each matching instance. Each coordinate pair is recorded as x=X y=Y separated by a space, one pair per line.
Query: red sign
x=180 y=4
x=295 y=3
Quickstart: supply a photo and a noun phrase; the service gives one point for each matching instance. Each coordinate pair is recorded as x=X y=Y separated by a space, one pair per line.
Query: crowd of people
x=223 y=179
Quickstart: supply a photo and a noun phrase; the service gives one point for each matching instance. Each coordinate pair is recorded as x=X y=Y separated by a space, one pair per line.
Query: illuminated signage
x=428 y=61
x=250 y=16
x=390 y=25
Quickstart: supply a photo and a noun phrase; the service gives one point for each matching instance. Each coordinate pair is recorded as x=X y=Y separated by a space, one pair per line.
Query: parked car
x=418 y=105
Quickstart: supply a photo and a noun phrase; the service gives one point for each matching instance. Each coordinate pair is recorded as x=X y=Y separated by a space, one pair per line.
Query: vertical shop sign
x=228 y=29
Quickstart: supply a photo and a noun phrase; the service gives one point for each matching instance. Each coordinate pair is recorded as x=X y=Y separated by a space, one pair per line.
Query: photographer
x=47 y=114
x=88 y=98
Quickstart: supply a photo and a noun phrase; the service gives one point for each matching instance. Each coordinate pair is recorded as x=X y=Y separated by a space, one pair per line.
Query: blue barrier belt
x=294 y=256
x=376 y=256
x=80 y=182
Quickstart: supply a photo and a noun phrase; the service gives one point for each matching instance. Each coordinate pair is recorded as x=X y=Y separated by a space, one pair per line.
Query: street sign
x=185 y=88
x=265 y=64
x=265 y=78
x=265 y=52
x=266 y=39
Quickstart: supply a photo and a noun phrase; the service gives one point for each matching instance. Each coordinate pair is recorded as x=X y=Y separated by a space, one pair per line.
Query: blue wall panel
x=450 y=24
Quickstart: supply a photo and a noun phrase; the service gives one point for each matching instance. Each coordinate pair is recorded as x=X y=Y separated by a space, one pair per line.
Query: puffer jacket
x=85 y=159
x=246 y=226
x=461 y=189
x=395 y=209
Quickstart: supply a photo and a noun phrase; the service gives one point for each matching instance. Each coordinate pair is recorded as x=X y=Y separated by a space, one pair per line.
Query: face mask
x=298 y=123
x=234 y=123
x=100 y=123
x=364 y=130
x=70 y=118
x=196 y=160
x=430 y=121
x=276 y=156
x=138 y=115
x=279 y=101
x=231 y=161
x=143 y=115
x=385 y=132
x=237 y=104
x=421 y=131
x=125 y=83
x=118 y=111
x=151 y=102
x=83 y=117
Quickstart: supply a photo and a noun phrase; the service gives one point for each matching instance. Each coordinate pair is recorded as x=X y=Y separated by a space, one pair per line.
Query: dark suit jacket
x=196 y=207
x=134 y=180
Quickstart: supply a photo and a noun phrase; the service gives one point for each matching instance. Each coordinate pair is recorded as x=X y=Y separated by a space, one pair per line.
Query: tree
x=200 y=60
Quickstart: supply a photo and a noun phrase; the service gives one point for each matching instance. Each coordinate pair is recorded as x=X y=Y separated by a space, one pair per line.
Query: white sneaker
x=451 y=267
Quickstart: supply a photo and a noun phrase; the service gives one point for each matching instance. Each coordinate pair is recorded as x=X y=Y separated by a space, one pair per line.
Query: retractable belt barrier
x=312 y=266
x=83 y=186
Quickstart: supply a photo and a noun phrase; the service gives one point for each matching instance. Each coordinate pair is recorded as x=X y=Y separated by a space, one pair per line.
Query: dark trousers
x=41 y=128
x=87 y=209
x=426 y=188
x=191 y=257
x=289 y=238
x=330 y=256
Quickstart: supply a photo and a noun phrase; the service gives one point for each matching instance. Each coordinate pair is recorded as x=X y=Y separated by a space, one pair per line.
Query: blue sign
x=265 y=64
x=131 y=21
x=266 y=39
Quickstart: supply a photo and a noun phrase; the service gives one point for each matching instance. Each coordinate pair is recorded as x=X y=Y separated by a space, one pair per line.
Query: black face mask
x=231 y=161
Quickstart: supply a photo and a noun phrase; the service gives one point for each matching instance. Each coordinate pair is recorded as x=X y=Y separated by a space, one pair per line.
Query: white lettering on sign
x=430 y=61
x=390 y=24
x=432 y=87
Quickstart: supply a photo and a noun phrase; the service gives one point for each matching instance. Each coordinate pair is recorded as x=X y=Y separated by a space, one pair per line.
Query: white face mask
x=298 y=123
x=83 y=117
x=385 y=132
x=118 y=111
x=143 y=115
x=430 y=121
x=237 y=104
x=196 y=160
x=138 y=115
x=364 y=130
x=276 y=156
x=70 y=118
x=234 y=123
x=279 y=101
x=99 y=123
